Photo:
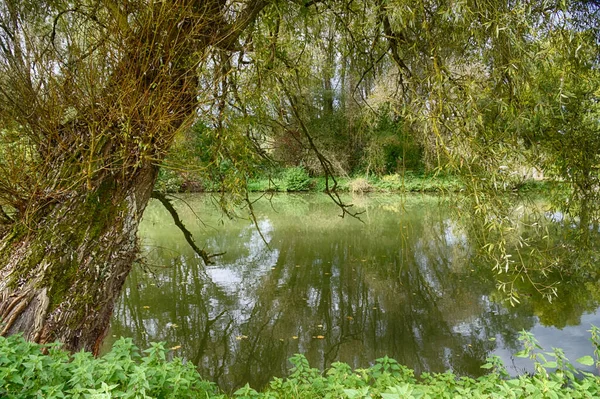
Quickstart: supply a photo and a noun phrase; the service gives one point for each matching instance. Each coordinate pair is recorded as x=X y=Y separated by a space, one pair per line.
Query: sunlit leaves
x=586 y=361
x=123 y=372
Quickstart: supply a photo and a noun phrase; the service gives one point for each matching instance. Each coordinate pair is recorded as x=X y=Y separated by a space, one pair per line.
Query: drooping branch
x=393 y=39
x=206 y=257
x=325 y=163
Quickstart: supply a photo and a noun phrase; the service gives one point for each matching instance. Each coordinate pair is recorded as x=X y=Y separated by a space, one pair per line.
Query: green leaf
x=586 y=361
x=351 y=393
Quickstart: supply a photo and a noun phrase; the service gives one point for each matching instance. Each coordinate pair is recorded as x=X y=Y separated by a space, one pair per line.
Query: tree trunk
x=65 y=254
x=60 y=280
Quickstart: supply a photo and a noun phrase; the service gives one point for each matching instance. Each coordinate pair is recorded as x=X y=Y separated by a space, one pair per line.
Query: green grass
x=125 y=372
x=386 y=184
x=297 y=180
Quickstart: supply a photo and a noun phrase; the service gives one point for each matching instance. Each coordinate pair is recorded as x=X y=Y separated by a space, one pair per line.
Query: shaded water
x=406 y=284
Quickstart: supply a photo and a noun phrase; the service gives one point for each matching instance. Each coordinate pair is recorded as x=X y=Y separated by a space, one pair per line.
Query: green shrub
x=393 y=182
x=296 y=179
x=319 y=184
x=124 y=372
x=168 y=181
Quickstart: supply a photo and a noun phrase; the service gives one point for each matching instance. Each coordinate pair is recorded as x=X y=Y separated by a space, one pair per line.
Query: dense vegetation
x=98 y=97
x=297 y=179
x=126 y=373
x=402 y=92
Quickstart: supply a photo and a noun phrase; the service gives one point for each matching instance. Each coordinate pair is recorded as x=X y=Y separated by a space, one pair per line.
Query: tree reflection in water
x=405 y=284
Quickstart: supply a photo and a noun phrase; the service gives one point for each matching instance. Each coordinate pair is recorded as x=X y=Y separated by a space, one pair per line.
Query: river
x=405 y=282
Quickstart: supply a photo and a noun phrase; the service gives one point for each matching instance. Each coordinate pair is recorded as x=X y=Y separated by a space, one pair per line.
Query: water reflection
x=405 y=284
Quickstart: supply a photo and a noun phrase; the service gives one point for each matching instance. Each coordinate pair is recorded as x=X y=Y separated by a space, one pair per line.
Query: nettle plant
x=29 y=370
x=124 y=372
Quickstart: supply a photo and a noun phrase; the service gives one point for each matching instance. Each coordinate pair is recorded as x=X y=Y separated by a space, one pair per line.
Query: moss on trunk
x=60 y=279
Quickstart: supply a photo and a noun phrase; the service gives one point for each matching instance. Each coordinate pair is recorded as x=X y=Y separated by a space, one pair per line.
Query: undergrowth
x=125 y=372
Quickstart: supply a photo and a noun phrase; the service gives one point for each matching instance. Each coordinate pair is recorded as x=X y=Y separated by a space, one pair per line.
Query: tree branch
x=229 y=34
x=206 y=257
x=331 y=191
x=392 y=39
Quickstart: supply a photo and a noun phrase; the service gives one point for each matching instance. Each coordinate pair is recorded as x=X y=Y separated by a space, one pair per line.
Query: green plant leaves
x=125 y=372
x=586 y=361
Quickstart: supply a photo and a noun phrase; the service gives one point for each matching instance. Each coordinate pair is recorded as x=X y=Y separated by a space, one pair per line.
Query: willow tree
x=91 y=93
x=490 y=89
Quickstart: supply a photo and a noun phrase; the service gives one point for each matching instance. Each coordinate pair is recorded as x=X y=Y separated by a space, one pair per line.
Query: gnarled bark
x=97 y=116
x=59 y=281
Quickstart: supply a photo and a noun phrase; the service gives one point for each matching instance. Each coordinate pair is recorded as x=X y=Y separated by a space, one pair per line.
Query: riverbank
x=25 y=372
x=298 y=180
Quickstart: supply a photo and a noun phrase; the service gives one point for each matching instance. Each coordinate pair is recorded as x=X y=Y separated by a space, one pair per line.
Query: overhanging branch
x=331 y=191
x=206 y=257
x=393 y=39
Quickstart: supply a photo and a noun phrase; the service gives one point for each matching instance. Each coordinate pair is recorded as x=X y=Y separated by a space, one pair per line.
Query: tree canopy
x=94 y=93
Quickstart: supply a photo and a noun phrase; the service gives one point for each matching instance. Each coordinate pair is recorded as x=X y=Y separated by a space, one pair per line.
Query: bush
x=126 y=373
x=168 y=181
x=296 y=179
x=122 y=373
x=360 y=185
x=393 y=182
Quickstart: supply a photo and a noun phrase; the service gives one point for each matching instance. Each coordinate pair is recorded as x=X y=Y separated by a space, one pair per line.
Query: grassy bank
x=125 y=372
x=298 y=180
x=409 y=182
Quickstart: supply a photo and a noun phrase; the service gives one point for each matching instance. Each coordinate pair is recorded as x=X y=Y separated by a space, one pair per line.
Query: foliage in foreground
x=25 y=372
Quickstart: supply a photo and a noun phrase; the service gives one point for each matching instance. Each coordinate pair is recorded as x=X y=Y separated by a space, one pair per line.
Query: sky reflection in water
x=406 y=284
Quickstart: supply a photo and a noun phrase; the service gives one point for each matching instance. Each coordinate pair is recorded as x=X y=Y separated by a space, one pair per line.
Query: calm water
x=406 y=284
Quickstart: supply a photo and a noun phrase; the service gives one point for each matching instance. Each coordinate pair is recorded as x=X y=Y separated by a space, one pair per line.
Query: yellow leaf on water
x=281 y=339
x=146 y=307
x=320 y=325
x=174 y=348
x=349 y=317
x=295 y=337
x=241 y=337
x=319 y=337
